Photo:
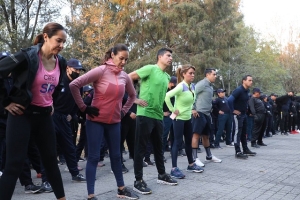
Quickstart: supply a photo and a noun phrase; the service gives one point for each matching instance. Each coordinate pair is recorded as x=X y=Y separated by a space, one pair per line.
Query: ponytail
x=107 y=56
x=39 y=39
x=179 y=74
x=115 y=50
x=50 y=29
x=181 y=70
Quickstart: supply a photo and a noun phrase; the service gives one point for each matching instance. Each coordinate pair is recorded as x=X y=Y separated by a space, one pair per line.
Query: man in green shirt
x=149 y=124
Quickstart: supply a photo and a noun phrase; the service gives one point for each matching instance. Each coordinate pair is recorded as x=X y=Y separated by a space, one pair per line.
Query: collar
x=205 y=79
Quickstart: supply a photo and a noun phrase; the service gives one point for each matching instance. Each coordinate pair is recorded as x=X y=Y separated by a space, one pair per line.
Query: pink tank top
x=44 y=84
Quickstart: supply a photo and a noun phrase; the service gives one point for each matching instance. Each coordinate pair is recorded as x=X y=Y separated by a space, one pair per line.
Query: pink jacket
x=109 y=88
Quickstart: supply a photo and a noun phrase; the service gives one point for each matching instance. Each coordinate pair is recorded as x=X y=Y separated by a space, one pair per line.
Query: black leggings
x=18 y=133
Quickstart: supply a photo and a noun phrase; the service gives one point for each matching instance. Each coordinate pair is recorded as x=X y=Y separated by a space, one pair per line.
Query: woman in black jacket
x=37 y=72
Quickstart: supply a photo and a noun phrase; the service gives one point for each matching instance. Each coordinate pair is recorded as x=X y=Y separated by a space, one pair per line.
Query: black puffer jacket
x=23 y=67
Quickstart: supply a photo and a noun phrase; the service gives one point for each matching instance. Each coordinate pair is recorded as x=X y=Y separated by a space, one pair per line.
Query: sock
x=194 y=152
x=208 y=153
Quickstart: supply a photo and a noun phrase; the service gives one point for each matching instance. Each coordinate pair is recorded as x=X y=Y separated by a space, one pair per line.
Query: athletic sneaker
x=213 y=159
x=46 y=187
x=32 y=189
x=145 y=164
x=249 y=153
x=79 y=178
x=81 y=159
x=218 y=147
x=194 y=168
x=149 y=162
x=199 y=163
x=230 y=145
x=92 y=198
x=124 y=169
x=166 y=179
x=127 y=194
x=141 y=187
x=177 y=173
x=1 y=173
x=240 y=155
x=262 y=144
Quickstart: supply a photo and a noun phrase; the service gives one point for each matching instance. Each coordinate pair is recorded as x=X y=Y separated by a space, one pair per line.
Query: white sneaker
x=213 y=159
x=1 y=173
x=230 y=145
x=199 y=163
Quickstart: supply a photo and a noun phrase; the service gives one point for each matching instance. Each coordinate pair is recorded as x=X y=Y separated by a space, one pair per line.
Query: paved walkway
x=273 y=174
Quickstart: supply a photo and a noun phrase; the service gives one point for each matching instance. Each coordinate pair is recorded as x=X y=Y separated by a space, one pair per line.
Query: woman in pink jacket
x=104 y=115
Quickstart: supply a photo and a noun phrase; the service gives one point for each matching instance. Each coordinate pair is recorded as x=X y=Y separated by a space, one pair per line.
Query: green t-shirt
x=153 y=88
x=184 y=100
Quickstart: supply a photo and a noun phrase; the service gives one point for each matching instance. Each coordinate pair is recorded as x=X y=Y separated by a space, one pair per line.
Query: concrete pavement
x=274 y=173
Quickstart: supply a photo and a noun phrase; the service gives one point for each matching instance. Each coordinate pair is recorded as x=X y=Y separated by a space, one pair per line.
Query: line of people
x=44 y=98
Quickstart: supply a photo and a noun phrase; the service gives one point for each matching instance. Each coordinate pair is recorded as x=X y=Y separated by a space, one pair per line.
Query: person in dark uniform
x=64 y=110
x=258 y=111
x=224 y=118
x=88 y=93
x=269 y=116
x=284 y=104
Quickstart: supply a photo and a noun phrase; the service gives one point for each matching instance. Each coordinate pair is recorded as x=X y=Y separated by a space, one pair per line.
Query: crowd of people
x=45 y=100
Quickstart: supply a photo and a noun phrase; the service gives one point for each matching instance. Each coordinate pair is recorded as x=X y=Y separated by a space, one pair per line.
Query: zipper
x=117 y=91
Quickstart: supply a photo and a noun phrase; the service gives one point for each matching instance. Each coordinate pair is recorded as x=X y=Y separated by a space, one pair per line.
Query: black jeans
x=128 y=133
x=19 y=129
x=82 y=143
x=259 y=128
x=148 y=129
x=240 y=134
x=65 y=141
x=284 y=122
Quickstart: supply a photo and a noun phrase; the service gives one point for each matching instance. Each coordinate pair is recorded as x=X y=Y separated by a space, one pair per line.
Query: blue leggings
x=182 y=128
x=95 y=131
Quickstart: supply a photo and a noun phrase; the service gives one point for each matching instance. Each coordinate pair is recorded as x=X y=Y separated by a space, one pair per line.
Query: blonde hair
x=181 y=70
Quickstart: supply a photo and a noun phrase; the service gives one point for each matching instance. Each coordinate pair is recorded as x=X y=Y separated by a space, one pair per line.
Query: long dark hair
x=50 y=29
x=115 y=50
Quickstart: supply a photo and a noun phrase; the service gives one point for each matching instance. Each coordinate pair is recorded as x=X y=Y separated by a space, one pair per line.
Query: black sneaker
x=124 y=169
x=166 y=179
x=127 y=194
x=46 y=187
x=262 y=144
x=249 y=153
x=32 y=189
x=240 y=155
x=141 y=187
x=149 y=162
x=79 y=178
x=145 y=164
x=255 y=145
